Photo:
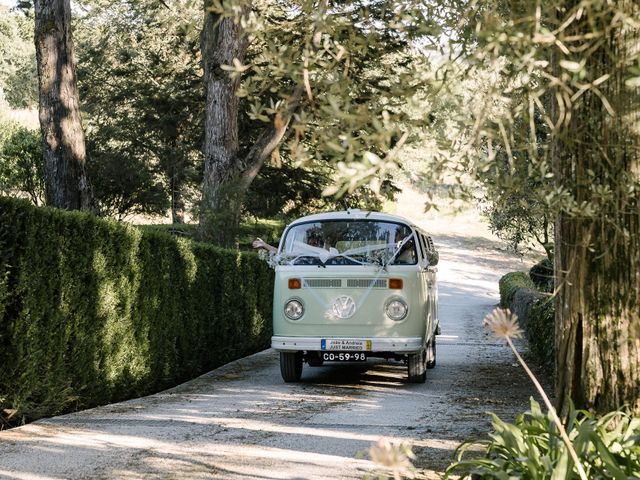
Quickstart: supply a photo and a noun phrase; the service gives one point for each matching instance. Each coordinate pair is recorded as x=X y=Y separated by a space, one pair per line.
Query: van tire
x=416 y=366
x=291 y=366
x=431 y=353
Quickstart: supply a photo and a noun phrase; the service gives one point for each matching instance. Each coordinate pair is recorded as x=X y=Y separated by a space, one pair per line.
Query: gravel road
x=242 y=422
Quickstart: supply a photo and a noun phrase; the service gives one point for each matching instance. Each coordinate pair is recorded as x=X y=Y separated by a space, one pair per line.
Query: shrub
x=93 y=311
x=125 y=185
x=21 y=166
x=542 y=275
x=510 y=283
x=607 y=447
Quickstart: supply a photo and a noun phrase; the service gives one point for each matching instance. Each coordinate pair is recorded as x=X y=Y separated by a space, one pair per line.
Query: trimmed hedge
x=541 y=333
x=93 y=311
x=523 y=302
x=509 y=285
x=536 y=311
x=542 y=275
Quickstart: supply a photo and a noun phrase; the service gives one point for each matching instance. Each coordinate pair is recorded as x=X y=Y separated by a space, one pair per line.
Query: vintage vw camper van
x=351 y=286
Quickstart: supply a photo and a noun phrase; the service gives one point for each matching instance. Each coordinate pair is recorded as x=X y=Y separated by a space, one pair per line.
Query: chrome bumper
x=313 y=344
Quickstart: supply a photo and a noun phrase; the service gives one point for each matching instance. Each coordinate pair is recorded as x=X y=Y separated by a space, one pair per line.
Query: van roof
x=354 y=214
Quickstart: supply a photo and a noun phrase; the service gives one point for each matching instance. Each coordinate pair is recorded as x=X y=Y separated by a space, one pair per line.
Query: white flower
x=395 y=458
x=503 y=324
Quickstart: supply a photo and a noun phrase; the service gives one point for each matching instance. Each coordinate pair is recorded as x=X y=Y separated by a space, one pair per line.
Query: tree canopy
x=141 y=87
x=18 y=79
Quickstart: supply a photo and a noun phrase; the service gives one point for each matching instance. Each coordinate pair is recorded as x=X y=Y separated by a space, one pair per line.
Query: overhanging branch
x=270 y=138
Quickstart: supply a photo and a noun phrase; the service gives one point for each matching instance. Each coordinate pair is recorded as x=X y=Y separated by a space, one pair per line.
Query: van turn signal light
x=295 y=283
x=394 y=283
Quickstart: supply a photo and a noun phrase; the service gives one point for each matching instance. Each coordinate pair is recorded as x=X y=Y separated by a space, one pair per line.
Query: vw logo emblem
x=344 y=307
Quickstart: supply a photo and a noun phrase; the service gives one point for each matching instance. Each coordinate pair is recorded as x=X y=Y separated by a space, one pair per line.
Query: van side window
x=407 y=255
x=420 y=248
x=430 y=243
x=425 y=246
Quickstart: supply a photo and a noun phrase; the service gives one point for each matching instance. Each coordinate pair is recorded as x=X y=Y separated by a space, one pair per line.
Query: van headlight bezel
x=294 y=309
x=396 y=308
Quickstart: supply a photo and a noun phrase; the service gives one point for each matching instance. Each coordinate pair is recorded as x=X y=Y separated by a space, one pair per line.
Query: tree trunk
x=66 y=184
x=178 y=209
x=228 y=174
x=598 y=255
x=222 y=41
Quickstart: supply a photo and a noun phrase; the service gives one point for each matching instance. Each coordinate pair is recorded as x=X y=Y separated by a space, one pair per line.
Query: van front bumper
x=314 y=344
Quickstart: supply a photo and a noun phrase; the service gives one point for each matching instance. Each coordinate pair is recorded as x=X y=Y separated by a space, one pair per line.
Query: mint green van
x=351 y=286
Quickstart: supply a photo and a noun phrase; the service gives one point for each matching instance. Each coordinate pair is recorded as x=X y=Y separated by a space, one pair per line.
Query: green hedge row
x=540 y=319
x=509 y=285
x=92 y=311
x=542 y=275
x=541 y=333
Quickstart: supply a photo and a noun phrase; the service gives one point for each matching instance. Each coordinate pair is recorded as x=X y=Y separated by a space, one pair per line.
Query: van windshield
x=349 y=242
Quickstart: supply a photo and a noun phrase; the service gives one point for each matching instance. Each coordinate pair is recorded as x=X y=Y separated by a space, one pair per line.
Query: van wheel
x=291 y=366
x=416 y=364
x=431 y=353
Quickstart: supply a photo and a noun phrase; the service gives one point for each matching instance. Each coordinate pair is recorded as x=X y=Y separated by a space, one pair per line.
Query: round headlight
x=397 y=309
x=293 y=309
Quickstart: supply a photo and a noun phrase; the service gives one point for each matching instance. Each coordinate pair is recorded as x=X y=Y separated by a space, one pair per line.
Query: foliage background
x=18 y=78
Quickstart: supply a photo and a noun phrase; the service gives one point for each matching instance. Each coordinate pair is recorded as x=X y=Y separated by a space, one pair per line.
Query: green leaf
x=330 y=190
x=571 y=65
x=561 y=468
x=611 y=467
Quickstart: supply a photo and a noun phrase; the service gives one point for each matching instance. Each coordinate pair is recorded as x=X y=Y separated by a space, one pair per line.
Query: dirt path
x=242 y=422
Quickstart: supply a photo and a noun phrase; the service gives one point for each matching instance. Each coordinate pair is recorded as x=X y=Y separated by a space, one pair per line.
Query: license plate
x=345 y=344
x=344 y=356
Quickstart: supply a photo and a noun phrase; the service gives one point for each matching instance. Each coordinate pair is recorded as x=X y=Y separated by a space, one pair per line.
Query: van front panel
x=350 y=301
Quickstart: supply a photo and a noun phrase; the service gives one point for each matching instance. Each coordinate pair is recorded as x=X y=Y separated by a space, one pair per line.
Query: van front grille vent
x=350 y=283
x=366 y=283
x=323 y=282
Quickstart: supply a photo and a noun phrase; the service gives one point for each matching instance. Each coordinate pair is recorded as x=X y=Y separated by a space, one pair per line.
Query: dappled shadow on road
x=226 y=447
x=230 y=428
x=149 y=457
